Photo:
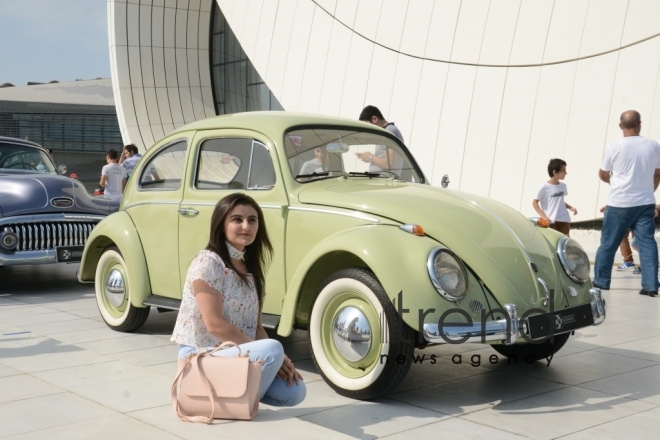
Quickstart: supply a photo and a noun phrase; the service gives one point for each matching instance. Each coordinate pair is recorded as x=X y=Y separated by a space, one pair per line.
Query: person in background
x=52 y=154
x=113 y=176
x=378 y=161
x=632 y=168
x=551 y=195
x=129 y=158
x=627 y=254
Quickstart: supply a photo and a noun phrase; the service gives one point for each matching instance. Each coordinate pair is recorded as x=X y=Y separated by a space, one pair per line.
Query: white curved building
x=486 y=91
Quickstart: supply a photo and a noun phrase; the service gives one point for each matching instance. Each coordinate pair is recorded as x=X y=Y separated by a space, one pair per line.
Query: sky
x=44 y=40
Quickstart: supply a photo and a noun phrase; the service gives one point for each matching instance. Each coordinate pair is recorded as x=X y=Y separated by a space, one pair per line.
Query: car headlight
x=574 y=260
x=447 y=274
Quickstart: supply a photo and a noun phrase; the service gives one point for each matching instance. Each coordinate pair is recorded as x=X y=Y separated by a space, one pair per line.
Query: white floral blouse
x=240 y=302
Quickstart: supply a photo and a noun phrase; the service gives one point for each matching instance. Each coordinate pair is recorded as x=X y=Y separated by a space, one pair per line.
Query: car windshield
x=26 y=158
x=321 y=153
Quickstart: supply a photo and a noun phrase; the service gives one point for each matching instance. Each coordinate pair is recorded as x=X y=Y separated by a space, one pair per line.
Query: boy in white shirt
x=113 y=176
x=551 y=197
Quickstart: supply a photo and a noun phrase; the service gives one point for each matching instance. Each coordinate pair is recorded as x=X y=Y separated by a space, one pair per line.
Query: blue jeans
x=615 y=224
x=272 y=390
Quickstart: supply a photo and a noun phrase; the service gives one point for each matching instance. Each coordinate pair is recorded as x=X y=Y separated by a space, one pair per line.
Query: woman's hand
x=288 y=372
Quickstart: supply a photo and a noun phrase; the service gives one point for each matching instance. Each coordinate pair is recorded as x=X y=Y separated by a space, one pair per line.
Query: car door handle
x=187 y=211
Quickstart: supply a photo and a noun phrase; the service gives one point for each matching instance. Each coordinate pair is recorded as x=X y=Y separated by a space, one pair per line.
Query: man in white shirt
x=632 y=168
x=113 y=176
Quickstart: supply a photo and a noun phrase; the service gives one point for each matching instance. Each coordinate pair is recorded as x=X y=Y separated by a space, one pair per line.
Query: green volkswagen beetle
x=369 y=258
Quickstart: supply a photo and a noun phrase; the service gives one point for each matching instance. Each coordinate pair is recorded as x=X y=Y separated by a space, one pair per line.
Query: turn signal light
x=538 y=221
x=413 y=229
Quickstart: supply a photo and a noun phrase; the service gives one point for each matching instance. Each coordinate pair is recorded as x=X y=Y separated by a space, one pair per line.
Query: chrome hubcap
x=115 y=288
x=351 y=334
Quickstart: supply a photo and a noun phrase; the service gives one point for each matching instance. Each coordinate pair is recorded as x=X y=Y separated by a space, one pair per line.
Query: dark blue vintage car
x=45 y=217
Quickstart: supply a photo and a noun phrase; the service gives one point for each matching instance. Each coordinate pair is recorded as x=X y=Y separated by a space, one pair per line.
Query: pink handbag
x=222 y=387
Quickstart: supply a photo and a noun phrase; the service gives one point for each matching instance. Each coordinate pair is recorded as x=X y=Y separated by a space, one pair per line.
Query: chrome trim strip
x=47 y=218
x=24 y=237
x=546 y=289
x=598 y=306
x=61 y=198
x=354 y=214
x=493 y=330
x=513 y=234
x=41 y=237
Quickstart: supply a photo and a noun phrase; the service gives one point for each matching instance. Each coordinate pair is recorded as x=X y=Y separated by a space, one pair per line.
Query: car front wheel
x=359 y=343
x=113 y=293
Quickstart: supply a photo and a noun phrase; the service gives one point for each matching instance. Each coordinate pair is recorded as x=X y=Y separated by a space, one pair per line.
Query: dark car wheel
x=359 y=343
x=533 y=352
x=113 y=295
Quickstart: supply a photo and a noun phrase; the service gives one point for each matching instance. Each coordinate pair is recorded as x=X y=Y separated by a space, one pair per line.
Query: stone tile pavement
x=64 y=374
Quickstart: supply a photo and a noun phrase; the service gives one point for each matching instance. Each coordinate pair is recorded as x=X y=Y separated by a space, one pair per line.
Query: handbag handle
x=205 y=381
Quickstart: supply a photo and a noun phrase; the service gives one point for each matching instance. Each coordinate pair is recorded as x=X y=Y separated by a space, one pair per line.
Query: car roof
x=20 y=142
x=270 y=122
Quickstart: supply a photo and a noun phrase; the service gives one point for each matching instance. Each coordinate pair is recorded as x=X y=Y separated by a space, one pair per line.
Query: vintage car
x=373 y=261
x=44 y=217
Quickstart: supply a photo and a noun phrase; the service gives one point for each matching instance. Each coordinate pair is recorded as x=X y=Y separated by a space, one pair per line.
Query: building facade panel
x=565 y=32
x=482 y=130
x=499 y=32
x=531 y=32
x=416 y=27
x=571 y=66
x=316 y=63
x=428 y=109
x=513 y=134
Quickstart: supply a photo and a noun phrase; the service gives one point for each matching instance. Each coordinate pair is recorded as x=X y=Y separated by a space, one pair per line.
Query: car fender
x=397 y=258
x=118 y=229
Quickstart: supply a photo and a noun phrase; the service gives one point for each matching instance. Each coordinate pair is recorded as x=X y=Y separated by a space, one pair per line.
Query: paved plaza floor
x=64 y=374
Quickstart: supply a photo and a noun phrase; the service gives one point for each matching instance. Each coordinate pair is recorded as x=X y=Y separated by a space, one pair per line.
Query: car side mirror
x=445 y=181
x=61 y=169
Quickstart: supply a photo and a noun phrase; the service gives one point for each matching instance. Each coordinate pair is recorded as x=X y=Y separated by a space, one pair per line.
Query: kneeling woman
x=223 y=296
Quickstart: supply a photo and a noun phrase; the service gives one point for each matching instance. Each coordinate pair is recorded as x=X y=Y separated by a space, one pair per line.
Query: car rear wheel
x=113 y=293
x=359 y=343
x=531 y=353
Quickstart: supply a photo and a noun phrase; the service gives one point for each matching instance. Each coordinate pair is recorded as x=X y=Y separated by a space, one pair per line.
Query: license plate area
x=561 y=321
x=69 y=254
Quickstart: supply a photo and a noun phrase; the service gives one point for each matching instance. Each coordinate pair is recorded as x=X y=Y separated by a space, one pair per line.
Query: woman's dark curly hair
x=257 y=255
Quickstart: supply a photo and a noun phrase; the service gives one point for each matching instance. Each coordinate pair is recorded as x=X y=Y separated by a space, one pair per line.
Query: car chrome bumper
x=498 y=330
x=493 y=331
x=46 y=256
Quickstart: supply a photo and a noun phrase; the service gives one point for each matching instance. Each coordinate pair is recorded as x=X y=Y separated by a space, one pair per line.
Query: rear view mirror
x=61 y=169
x=336 y=147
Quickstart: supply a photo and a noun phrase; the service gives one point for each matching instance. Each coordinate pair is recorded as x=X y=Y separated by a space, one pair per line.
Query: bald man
x=632 y=168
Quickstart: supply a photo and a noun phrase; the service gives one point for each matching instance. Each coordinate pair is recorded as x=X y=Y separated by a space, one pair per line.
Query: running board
x=270 y=321
x=162 y=302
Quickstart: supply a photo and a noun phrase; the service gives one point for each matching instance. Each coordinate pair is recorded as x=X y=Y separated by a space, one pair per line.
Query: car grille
x=49 y=235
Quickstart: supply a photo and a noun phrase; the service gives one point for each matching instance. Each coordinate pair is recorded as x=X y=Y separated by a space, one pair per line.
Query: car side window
x=223 y=163
x=262 y=171
x=165 y=169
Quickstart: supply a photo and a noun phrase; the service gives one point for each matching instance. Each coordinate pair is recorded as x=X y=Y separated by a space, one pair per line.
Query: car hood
x=32 y=193
x=496 y=241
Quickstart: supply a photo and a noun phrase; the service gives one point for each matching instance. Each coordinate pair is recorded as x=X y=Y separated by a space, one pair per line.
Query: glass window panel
x=165 y=170
x=223 y=164
x=217 y=49
x=262 y=171
x=236 y=87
